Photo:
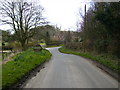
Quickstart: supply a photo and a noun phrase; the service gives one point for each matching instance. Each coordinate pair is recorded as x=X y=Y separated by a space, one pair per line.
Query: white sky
x=62 y=13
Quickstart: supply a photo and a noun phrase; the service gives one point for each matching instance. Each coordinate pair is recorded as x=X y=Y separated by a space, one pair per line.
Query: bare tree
x=22 y=16
x=68 y=37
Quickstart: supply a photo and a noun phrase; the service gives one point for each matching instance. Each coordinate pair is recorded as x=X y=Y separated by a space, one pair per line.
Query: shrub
x=15 y=45
x=74 y=45
x=53 y=43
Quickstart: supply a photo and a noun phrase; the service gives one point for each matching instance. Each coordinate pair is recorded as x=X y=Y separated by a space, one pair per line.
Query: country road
x=70 y=71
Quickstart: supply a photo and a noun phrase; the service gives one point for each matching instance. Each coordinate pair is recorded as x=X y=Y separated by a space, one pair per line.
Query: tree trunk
x=23 y=44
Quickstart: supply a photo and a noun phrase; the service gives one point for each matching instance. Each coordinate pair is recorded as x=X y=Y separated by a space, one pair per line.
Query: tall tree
x=41 y=32
x=68 y=37
x=102 y=33
x=22 y=16
x=47 y=38
x=109 y=15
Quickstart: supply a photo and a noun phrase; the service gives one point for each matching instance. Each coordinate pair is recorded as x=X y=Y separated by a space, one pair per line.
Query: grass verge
x=14 y=70
x=112 y=64
x=51 y=46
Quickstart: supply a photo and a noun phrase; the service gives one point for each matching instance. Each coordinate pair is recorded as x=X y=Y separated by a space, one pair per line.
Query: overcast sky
x=62 y=13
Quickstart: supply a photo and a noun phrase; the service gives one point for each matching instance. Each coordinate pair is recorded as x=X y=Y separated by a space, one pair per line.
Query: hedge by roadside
x=108 y=63
x=14 y=70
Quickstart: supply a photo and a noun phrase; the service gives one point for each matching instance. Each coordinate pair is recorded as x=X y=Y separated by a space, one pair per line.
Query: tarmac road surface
x=70 y=71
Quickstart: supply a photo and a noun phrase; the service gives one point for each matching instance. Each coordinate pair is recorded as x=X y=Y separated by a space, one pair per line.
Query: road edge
x=112 y=73
x=22 y=82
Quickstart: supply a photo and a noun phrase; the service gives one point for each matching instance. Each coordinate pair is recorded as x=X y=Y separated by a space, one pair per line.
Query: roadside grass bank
x=111 y=64
x=51 y=46
x=21 y=64
x=43 y=44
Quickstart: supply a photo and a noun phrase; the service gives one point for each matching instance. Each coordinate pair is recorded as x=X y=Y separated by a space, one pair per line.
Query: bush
x=53 y=43
x=7 y=48
x=32 y=43
x=14 y=70
x=74 y=45
x=15 y=45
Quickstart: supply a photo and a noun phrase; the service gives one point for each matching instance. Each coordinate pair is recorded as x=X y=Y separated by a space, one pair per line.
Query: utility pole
x=84 y=30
